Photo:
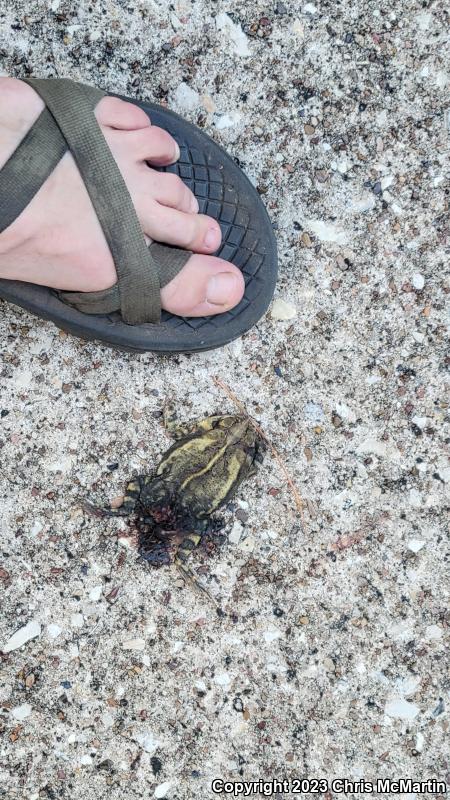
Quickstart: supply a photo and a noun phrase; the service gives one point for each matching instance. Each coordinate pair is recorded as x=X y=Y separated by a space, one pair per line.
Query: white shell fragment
x=223 y=121
x=399 y=708
x=162 y=789
x=418 y=281
x=326 y=231
x=22 y=636
x=282 y=310
x=21 y=712
x=234 y=34
x=134 y=644
x=147 y=742
x=416 y=544
x=53 y=630
x=186 y=98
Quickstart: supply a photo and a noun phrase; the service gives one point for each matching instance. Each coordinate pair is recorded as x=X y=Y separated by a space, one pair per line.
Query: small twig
x=297 y=497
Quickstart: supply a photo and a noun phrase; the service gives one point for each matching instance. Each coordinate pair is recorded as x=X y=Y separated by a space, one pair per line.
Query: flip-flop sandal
x=128 y=316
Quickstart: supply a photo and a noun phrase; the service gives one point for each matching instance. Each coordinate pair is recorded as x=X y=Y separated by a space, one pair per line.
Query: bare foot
x=57 y=241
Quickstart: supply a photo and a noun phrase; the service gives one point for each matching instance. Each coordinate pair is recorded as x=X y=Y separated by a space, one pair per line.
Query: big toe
x=205 y=286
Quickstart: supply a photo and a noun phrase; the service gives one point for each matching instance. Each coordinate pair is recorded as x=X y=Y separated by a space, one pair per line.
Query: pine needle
x=297 y=497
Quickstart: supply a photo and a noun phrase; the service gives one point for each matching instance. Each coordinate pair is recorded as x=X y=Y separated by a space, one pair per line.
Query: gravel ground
x=332 y=657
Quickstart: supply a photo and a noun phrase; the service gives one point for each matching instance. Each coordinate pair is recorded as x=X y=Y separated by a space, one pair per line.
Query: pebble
x=235 y=533
x=399 y=708
x=77 y=620
x=306 y=239
x=133 y=644
x=208 y=103
x=421 y=422
x=162 y=789
x=117 y=501
x=21 y=712
x=22 y=636
x=242 y=515
x=282 y=310
x=186 y=98
x=418 y=281
x=234 y=34
x=309 y=8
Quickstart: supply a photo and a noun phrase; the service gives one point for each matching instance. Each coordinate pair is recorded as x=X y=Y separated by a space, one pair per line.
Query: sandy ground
x=332 y=657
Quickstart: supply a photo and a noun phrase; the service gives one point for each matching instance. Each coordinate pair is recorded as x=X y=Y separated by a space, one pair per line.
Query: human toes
x=195 y=232
x=169 y=190
x=154 y=145
x=205 y=286
x=116 y=113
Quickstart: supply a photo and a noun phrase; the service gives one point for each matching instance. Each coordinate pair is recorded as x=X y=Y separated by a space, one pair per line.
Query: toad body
x=197 y=475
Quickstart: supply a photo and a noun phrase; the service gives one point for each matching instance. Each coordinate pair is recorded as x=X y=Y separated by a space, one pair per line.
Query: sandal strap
x=168 y=261
x=72 y=106
x=33 y=160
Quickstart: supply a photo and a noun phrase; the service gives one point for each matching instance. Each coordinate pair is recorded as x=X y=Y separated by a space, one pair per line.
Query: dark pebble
x=156 y=764
x=112 y=467
x=238 y=704
x=376 y=189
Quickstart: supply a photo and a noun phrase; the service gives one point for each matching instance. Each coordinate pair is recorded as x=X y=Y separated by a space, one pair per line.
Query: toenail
x=220 y=288
x=194 y=205
x=210 y=240
x=176 y=154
